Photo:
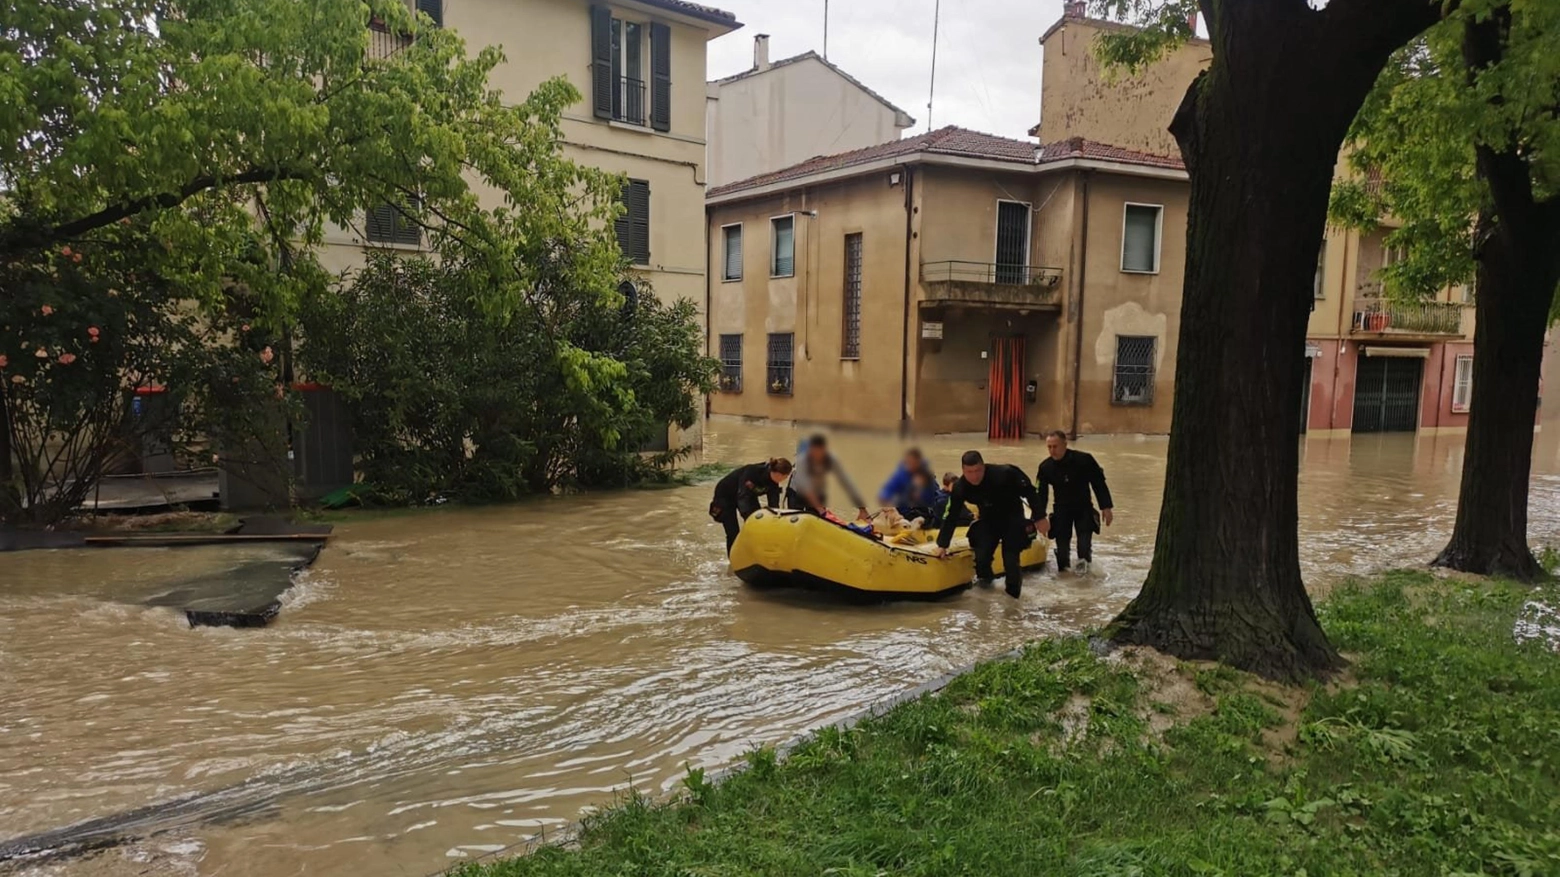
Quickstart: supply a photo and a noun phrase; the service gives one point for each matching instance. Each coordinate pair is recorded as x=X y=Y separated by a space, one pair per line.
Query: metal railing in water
x=1424 y=317
x=955 y=270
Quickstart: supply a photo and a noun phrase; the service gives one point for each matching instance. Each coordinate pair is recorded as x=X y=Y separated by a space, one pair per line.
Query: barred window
x=731 y=363
x=389 y=224
x=851 y=346
x=1134 y=384
x=1462 y=384
x=780 y=363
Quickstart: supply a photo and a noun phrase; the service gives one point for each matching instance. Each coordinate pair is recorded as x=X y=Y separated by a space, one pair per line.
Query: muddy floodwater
x=447 y=683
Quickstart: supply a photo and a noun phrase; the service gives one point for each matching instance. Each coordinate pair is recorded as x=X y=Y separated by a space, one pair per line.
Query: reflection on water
x=445 y=684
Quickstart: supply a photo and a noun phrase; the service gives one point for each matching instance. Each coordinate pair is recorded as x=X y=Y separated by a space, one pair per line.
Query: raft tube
x=789 y=549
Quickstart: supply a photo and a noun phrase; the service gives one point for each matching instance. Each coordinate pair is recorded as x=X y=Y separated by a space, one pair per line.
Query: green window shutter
x=601 y=60
x=661 y=77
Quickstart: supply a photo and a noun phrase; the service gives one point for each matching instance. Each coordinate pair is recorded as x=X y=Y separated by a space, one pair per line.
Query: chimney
x=1076 y=9
x=761 y=52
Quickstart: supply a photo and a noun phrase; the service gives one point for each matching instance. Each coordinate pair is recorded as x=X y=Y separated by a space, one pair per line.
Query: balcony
x=1424 y=319
x=991 y=285
x=383 y=44
x=628 y=101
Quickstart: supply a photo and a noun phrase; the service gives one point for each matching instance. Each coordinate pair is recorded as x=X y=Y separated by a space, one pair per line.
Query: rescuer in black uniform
x=1072 y=474
x=998 y=491
x=736 y=495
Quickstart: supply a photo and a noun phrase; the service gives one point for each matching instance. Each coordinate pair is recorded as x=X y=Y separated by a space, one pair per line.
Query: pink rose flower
x=41 y=353
x=46 y=310
x=64 y=251
x=4 y=360
x=67 y=358
x=93 y=331
x=266 y=356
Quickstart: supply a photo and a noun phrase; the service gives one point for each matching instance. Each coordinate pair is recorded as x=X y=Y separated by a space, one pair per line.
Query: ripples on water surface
x=446 y=683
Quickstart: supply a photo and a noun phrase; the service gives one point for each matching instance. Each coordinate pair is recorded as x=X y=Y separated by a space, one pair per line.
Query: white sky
x=988 y=53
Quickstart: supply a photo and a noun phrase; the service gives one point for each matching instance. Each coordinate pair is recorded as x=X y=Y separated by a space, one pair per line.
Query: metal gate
x=1012 y=242
x=1386 y=394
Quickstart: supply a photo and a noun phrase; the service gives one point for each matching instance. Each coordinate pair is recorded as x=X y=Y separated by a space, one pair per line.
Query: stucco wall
x=1077 y=100
x=826 y=388
x=1120 y=303
x=788 y=114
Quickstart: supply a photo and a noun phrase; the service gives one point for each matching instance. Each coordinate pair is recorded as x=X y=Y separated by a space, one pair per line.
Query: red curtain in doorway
x=1005 y=417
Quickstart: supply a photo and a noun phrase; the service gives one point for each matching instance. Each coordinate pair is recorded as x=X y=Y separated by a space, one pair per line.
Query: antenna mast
x=932 y=88
x=825 y=30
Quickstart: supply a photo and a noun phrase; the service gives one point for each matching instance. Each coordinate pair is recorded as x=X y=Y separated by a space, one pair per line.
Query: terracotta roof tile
x=961 y=142
x=698 y=10
x=944 y=141
x=1078 y=147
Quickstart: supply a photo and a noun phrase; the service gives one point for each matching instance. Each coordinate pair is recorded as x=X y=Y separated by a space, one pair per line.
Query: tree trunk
x=1260 y=133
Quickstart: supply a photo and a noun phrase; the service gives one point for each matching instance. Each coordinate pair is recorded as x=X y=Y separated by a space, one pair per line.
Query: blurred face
x=975 y=474
x=913 y=461
x=817 y=453
x=777 y=477
x=1055 y=447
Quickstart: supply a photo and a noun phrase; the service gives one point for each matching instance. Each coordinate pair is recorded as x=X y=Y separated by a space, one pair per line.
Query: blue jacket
x=900 y=492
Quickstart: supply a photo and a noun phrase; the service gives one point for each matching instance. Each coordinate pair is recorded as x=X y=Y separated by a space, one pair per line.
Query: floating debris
x=1538 y=621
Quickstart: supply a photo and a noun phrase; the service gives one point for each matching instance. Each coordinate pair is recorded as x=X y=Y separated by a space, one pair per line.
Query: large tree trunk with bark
x=1260 y=133
x=1519 y=267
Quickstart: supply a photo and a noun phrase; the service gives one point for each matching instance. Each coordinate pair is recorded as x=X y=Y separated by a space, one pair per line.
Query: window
x=731 y=363
x=850 y=345
x=1140 y=238
x=780 y=363
x=389 y=224
x=1134 y=384
x=434 y=9
x=731 y=252
x=1462 y=385
x=1319 y=285
x=1469 y=290
x=783 y=246
x=633 y=226
x=621 y=90
x=1391 y=255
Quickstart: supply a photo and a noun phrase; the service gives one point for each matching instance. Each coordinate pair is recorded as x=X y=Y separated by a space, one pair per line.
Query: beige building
x=776 y=114
x=950 y=282
x=640 y=66
x=958 y=282
x=1374 y=365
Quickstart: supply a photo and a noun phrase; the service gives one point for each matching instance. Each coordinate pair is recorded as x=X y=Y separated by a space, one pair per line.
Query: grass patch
x=1440 y=754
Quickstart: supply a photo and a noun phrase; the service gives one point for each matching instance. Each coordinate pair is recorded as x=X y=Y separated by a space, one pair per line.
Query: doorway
x=1005 y=384
x=1012 y=258
x=1386 y=393
x=1305 y=394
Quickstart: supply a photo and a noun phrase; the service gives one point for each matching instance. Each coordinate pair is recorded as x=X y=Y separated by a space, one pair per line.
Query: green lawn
x=1438 y=753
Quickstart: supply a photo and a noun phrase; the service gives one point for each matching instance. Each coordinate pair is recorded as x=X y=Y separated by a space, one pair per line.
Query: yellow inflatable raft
x=793 y=549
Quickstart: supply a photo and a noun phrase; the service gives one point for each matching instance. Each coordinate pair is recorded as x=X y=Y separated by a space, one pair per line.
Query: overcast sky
x=988 y=53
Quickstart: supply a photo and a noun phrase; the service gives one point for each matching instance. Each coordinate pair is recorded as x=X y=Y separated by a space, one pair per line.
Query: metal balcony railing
x=1415 y=318
x=383 y=44
x=991 y=272
x=628 y=101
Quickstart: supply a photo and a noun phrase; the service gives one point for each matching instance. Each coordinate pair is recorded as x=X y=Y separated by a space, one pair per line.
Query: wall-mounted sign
x=932 y=331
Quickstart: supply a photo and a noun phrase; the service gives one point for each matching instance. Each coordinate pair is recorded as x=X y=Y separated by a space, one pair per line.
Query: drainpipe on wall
x=1083 y=264
x=708 y=328
x=904 y=329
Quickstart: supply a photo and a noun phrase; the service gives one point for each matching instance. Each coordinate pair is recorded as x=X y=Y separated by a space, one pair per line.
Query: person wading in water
x=1072 y=474
x=813 y=464
x=998 y=492
x=736 y=495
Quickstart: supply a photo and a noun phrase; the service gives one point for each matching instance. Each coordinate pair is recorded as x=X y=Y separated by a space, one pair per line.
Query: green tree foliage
x=1413 y=146
x=191 y=118
x=79 y=339
x=445 y=400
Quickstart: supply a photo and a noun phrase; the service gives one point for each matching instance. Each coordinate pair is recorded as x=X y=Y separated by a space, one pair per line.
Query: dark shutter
x=601 y=60
x=661 y=77
x=434 y=9
x=633 y=226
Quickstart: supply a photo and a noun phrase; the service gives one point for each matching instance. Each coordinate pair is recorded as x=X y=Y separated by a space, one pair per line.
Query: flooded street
x=447 y=683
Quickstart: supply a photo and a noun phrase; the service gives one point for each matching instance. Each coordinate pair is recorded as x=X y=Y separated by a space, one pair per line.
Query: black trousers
x=1064 y=523
x=1012 y=536
x=728 y=519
